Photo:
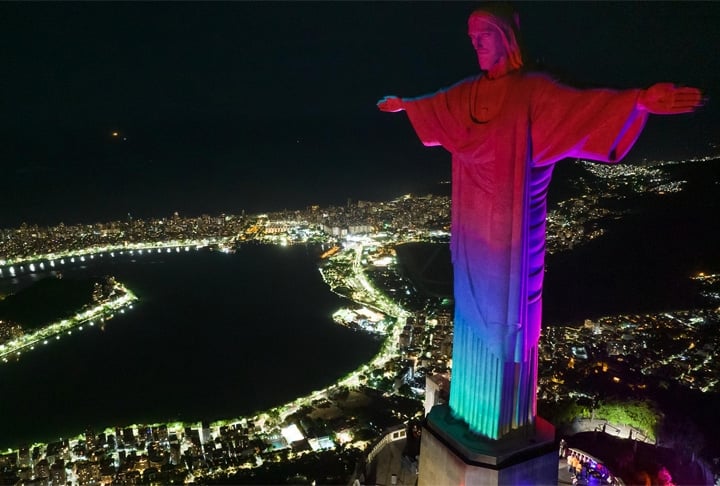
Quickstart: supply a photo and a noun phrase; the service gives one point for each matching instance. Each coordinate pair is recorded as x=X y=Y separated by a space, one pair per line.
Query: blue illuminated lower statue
x=505 y=129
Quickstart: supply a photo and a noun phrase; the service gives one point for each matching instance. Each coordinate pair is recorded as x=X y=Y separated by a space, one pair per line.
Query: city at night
x=225 y=258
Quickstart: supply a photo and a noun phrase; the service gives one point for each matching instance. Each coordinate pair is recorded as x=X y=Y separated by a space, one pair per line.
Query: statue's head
x=494 y=31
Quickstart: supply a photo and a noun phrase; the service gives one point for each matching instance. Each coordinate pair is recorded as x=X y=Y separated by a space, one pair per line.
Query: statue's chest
x=494 y=115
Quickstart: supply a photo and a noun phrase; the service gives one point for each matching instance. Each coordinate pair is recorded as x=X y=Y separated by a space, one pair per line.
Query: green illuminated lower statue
x=505 y=129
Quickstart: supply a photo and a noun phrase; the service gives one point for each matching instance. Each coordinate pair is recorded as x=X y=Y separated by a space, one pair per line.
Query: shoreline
x=102 y=312
x=282 y=411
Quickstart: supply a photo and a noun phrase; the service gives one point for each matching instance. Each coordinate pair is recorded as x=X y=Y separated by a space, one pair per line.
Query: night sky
x=224 y=107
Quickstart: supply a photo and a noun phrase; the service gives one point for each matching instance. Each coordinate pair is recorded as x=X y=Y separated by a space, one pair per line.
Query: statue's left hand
x=390 y=104
x=668 y=99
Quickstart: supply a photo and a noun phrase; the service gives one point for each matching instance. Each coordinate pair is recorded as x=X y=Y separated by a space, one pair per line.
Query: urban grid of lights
x=360 y=287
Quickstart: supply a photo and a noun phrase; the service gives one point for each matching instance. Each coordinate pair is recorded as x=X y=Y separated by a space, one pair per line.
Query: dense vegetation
x=642 y=415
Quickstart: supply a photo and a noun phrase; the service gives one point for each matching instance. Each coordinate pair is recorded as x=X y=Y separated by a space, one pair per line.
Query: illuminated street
x=623 y=351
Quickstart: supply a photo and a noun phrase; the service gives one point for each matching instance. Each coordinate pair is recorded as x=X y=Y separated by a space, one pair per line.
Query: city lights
x=124 y=297
x=359 y=245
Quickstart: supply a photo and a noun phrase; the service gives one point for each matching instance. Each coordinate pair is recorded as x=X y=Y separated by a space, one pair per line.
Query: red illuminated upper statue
x=505 y=129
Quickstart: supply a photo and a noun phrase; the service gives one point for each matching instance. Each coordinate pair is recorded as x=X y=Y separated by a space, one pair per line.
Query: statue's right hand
x=390 y=104
x=668 y=99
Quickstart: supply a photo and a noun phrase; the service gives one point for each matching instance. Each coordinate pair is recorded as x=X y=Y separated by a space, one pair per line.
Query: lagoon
x=213 y=336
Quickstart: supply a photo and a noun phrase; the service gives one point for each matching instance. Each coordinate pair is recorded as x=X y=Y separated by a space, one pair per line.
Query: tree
x=642 y=415
x=562 y=412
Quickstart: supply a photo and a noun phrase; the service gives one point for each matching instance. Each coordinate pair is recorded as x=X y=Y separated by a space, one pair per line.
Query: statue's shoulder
x=537 y=84
x=523 y=77
x=453 y=90
x=536 y=78
x=464 y=83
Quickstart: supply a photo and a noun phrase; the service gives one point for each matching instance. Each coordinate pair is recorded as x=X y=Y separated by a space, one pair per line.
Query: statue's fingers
x=688 y=100
x=689 y=93
x=684 y=107
x=689 y=96
x=688 y=89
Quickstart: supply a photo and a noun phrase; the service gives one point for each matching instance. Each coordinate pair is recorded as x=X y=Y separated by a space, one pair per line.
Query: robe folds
x=505 y=135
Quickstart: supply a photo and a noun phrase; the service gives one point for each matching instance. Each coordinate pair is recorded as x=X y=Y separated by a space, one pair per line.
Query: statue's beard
x=499 y=69
x=485 y=62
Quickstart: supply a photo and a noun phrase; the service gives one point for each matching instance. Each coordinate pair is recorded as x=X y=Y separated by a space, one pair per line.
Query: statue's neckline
x=486 y=98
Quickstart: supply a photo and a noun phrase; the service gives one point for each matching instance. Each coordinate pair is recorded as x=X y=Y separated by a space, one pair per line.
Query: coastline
x=100 y=313
x=263 y=417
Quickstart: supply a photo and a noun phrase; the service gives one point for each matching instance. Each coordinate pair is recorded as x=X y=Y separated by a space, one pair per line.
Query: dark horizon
x=225 y=107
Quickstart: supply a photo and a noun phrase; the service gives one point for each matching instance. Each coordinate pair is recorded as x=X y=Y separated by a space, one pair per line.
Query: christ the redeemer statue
x=506 y=128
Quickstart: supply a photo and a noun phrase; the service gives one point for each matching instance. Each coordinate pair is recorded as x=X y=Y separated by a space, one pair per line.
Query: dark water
x=216 y=336
x=645 y=260
x=642 y=264
x=213 y=336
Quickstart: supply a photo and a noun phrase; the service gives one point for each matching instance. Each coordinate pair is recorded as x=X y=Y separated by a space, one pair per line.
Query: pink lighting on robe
x=506 y=129
x=503 y=155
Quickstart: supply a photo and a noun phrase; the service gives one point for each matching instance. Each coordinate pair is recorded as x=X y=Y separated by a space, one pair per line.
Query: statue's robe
x=505 y=135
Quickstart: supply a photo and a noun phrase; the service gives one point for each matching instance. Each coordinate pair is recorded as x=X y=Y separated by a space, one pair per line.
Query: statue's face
x=488 y=45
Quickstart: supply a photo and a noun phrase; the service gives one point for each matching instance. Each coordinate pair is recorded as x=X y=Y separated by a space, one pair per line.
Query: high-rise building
x=58 y=475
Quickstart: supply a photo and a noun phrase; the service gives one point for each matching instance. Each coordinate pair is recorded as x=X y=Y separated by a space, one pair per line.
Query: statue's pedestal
x=452 y=455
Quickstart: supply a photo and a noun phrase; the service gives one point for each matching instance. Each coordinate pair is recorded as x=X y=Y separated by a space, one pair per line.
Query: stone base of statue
x=452 y=455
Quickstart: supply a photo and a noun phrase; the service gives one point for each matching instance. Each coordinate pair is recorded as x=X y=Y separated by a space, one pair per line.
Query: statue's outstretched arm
x=391 y=104
x=668 y=99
